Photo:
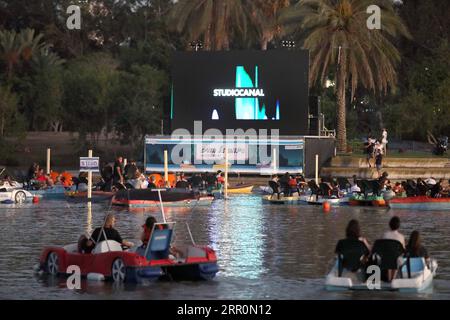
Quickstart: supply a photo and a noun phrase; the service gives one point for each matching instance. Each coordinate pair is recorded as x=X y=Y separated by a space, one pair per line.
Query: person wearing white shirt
x=394 y=234
x=384 y=140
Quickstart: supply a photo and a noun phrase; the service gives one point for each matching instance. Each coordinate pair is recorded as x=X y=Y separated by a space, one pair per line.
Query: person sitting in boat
x=284 y=184
x=130 y=170
x=398 y=189
x=152 y=183
x=414 y=248
x=196 y=181
x=81 y=182
x=43 y=180
x=393 y=233
x=437 y=189
x=293 y=186
x=421 y=187
x=354 y=250
x=147 y=232
x=182 y=183
x=430 y=181
x=107 y=230
x=354 y=187
x=107 y=176
x=220 y=178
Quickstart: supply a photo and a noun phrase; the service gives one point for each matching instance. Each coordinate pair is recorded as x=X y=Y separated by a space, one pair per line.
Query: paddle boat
x=109 y=260
x=97 y=196
x=241 y=188
x=349 y=273
x=315 y=200
x=371 y=200
x=141 y=198
x=274 y=199
x=420 y=203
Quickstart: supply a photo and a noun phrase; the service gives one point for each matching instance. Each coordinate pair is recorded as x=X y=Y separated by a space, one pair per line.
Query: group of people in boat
x=119 y=176
x=413 y=248
x=109 y=232
x=38 y=179
x=288 y=184
x=423 y=187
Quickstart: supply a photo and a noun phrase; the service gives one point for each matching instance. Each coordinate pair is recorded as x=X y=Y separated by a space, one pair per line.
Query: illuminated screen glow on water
x=264 y=251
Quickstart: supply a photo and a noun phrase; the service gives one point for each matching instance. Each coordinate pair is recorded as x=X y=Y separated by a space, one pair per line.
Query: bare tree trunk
x=341 y=110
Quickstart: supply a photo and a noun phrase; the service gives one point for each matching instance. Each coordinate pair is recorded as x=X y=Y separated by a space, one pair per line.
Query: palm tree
x=339 y=40
x=213 y=21
x=8 y=105
x=19 y=47
x=265 y=17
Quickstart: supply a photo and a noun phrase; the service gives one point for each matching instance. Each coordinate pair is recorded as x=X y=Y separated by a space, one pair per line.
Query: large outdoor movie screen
x=241 y=90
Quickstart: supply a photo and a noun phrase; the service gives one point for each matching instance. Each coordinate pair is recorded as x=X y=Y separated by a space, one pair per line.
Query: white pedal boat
x=313 y=200
x=421 y=278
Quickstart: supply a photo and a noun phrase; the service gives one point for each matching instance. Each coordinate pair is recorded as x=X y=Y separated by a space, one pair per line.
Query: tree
x=87 y=87
x=137 y=103
x=213 y=21
x=339 y=40
x=8 y=108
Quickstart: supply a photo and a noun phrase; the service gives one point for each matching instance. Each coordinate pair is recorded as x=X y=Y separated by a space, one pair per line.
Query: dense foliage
x=113 y=75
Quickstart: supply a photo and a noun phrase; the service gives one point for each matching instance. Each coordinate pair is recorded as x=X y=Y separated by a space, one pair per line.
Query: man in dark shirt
x=118 y=171
x=107 y=176
x=182 y=183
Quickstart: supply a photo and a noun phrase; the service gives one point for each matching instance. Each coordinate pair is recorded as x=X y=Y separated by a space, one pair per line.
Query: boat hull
x=420 y=203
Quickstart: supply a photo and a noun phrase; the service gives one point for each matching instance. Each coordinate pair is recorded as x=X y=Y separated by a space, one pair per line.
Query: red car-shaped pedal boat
x=109 y=261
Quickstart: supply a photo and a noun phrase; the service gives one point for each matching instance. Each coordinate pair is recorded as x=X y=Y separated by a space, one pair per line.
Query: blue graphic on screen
x=249 y=108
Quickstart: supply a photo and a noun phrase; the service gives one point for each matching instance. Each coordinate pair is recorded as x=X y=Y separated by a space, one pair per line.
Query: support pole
x=166 y=168
x=89 y=194
x=274 y=160
x=48 y=160
x=226 y=172
x=317 y=169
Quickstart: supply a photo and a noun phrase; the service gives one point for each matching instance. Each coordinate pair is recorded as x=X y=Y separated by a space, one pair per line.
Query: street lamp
x=196 y=45
x=290 y=44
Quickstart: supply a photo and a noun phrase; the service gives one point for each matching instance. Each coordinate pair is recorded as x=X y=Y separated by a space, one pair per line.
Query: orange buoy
x=35 y=199
x=326 y=206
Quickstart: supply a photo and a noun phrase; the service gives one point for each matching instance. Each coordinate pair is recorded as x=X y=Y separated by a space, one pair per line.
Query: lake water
x=265 y=251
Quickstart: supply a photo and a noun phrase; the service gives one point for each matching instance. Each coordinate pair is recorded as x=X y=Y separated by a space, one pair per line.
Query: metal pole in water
x=89 y=193
x=48 y=160
x=274 y=160
x=226 y=172
x=166 y=168
x=317 y=169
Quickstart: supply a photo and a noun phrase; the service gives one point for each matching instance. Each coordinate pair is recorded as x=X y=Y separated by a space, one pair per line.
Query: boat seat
x=415 y=265
x=107 y=246
x=350 y=255
x=385 y=253
x=71 y=248
x=159 y=245
x=195 y=252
